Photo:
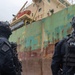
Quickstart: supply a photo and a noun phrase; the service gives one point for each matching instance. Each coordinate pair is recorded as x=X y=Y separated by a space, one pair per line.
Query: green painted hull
x=37 y=40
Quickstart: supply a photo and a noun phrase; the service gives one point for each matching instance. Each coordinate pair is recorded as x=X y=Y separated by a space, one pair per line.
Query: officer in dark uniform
x=6 y=57
x=17 y=62
x=63 y=61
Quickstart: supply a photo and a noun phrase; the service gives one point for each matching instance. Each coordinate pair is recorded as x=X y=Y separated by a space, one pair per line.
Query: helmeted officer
x=63 y=61
x=6 y=57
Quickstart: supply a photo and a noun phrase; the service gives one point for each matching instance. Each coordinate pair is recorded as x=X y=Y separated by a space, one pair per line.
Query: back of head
x=73 y=22
x=5 y=29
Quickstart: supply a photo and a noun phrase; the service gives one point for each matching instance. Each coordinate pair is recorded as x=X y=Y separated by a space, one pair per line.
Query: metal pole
x=21 y=8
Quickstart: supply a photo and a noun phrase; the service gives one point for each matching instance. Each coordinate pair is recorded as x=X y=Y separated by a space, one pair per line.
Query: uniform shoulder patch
x=5 y=47
x=4 y=44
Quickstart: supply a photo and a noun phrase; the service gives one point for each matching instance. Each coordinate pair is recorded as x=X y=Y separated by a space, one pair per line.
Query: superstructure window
x=40 y=9
x=40 y=1
x=49 y=1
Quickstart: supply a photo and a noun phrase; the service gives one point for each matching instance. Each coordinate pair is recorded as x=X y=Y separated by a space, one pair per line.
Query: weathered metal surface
x=36 y=41
x=36 y=67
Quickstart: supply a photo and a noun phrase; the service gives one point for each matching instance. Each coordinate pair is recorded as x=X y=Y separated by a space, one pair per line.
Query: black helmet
x=13 y=44
x=73 y=22
x=5 y=29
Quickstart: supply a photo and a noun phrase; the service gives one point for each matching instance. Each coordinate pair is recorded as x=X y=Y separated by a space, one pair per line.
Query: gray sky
x=9 y=7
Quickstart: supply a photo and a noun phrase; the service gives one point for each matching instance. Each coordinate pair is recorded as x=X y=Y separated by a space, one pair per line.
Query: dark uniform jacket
x=6 y=58
x=57 y=61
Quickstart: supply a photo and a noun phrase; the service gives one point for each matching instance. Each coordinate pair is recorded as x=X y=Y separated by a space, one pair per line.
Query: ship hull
x=37 y=66
x=36 y=41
